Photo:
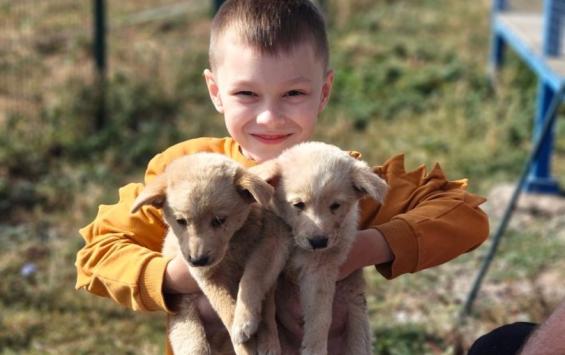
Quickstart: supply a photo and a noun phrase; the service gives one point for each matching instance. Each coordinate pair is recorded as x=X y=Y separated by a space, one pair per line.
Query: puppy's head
x=206 y=199
x=317 y=189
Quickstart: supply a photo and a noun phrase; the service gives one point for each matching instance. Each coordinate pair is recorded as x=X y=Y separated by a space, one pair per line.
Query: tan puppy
x=318 y=187
x=229 y=242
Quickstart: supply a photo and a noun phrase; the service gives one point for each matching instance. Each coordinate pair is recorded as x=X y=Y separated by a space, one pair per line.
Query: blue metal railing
x=539 y=177
x=536 y=175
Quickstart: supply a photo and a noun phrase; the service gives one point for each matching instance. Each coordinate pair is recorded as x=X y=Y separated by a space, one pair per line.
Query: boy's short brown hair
x=271 y=26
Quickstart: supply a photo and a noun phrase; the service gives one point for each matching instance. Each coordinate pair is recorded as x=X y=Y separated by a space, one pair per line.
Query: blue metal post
x=553 y=12
x=497 y=44
x=499 y=5
x=497 y=47
x=539 y=178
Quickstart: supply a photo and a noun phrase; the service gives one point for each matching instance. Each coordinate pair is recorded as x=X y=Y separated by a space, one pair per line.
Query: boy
x=269 y=77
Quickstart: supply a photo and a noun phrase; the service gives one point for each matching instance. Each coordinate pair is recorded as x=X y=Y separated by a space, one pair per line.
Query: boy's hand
x=369 y=248
x=177 y=277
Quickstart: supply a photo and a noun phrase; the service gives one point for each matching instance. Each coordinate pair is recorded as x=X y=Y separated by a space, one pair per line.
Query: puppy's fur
x=317 y=189
x=229 y=242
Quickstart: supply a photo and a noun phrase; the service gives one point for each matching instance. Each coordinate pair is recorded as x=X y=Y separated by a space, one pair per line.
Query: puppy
x=317 y=189
x=235 y=250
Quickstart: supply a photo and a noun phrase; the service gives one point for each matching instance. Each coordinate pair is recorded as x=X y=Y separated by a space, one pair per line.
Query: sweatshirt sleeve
x=425 y=219
x=121 y=258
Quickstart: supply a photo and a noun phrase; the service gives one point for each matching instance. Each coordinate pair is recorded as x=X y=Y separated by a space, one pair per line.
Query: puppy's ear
x=252 y=187
x=154 y=193
x=269 y=171
x=366 y=182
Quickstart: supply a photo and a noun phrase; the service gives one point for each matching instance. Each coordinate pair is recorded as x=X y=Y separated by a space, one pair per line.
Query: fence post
x=99 y=49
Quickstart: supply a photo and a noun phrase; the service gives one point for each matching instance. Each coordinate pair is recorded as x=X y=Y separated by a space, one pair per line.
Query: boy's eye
x=182 y=222
x=246 y=93
x=299 y=205
x=294 y=93
x=217 y=221
x=334 y=206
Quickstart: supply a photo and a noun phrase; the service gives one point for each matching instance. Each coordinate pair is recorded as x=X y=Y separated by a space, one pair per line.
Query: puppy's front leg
x=268 y=342
x=261 y=272
x=222 y=300
x=317 y=288
x=358 y=341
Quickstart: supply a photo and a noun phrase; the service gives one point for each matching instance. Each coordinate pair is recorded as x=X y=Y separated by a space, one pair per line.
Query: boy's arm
x=547 y=339
x=425 y=220
x=121 y=258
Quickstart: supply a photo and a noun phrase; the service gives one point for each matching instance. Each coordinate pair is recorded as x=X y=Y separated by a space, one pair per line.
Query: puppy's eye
x=299 y=206
x=334 y=206
x=217 y=221
x=182 y=222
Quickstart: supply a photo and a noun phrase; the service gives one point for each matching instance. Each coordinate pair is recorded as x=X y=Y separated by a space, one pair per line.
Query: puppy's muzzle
x=201 y=261
x=318 y=242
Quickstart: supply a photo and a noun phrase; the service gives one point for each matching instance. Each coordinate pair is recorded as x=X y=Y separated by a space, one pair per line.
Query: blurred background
x=411 y=76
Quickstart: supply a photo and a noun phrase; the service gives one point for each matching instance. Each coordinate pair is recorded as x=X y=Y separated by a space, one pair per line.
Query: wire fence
x=37 y=48
x=46 y=43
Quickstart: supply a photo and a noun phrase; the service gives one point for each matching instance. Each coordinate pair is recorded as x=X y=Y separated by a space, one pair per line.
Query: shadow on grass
x=405 y=340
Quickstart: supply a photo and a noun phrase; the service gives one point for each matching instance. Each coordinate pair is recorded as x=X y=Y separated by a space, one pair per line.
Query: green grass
x=409 y=77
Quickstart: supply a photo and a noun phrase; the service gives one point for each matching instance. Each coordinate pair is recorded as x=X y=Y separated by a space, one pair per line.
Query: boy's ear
x=154 y=193
x=269 y=171
x=213 y=90
x=252 y=187
x=366 y=182
x=326 y=90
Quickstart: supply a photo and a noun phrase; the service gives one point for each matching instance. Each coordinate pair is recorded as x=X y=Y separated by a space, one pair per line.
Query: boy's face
x=269 y=102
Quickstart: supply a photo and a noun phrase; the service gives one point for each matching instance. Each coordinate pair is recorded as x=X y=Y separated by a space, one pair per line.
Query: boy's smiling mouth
x=271 y=138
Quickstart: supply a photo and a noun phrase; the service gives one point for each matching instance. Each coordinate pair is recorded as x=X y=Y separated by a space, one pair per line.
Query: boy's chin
x=262 y=152
x=263 y=156
x=260 y=155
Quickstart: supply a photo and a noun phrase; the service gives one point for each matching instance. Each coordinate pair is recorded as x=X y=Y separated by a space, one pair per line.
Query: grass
x=410 y=77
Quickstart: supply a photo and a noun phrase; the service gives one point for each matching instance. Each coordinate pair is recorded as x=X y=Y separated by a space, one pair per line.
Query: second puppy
x=317 y=189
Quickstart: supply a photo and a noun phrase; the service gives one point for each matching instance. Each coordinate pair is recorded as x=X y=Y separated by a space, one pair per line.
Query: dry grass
x=410 y=77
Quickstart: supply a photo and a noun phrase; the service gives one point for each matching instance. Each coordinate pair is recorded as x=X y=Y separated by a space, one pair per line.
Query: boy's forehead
x=232 y=50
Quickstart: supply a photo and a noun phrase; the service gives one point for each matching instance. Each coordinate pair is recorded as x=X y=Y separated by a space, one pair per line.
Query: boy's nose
x=269 y=116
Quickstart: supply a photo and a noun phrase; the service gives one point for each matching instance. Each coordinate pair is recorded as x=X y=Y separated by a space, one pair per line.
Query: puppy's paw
x=313 y=351
x=268 y=346
x=203 y=351
x=200 y=349
x=244 y=325
x=242 y=332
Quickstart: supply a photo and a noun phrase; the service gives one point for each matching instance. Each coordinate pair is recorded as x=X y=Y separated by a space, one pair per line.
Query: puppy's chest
x=290 y=312
x=306 y=261
x=241 y=246
x=245 y=241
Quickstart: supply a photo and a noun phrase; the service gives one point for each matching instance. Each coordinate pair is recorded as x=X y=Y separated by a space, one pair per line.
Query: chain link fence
x=41 y=44
x=44 y=44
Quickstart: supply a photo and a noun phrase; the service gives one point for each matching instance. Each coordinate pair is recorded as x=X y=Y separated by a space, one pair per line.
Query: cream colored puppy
x=235 y=250
x=317 y=189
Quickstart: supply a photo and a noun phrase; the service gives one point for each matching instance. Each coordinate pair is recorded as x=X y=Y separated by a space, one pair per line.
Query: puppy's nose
x=201 y=261
x=318 y=242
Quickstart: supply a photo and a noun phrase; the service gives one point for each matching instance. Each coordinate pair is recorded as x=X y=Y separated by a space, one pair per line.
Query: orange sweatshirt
x=426 y=220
